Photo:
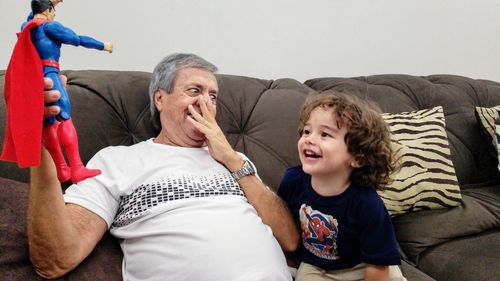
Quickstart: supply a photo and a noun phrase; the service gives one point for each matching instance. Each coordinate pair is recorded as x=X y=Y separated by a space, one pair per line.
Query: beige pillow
x=498 y=141
x=488 y=117
x=427 y=177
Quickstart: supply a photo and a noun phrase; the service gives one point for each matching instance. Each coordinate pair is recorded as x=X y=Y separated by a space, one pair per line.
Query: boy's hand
x=51 y=96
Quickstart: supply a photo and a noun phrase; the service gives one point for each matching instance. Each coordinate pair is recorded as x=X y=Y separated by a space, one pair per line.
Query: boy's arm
x=376 y=272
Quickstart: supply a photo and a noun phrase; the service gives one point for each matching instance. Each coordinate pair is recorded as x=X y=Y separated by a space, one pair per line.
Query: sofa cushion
x=260 y=118
x=411 y=273
x=473 y=257
x=427 y=177
x=488 y=117
x=497 y=124
x=14 y=258
x=419 y=231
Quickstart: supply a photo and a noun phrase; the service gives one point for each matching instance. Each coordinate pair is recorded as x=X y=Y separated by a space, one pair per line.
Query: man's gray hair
x=166 y=72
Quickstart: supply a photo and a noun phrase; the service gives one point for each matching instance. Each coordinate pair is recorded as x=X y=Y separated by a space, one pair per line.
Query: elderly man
x=184 y=204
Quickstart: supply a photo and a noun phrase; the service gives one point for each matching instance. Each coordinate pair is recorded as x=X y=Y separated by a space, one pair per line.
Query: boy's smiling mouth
x=311 y=154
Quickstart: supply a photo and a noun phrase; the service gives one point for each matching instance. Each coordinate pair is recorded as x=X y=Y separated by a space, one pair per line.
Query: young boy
x=347 y=234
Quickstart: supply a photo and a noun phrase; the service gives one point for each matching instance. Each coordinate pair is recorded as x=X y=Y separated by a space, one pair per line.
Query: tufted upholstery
x=260 y=118
x=458 y=95
x=253 y=112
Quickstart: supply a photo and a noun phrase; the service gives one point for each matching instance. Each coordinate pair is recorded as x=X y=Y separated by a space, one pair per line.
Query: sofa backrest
x=108 y=108
x=260 y=117
x=470 y=148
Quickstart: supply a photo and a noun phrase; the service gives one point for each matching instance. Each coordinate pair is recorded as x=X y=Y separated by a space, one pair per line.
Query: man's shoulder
x=122 y=150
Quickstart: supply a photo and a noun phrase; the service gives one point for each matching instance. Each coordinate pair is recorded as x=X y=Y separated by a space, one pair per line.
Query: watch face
x=246 y=170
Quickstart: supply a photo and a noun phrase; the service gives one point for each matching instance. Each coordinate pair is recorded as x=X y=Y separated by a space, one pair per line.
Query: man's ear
x=157 y=99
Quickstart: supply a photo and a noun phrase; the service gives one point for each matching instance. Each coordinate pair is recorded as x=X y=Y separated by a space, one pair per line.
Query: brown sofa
x=260 y=118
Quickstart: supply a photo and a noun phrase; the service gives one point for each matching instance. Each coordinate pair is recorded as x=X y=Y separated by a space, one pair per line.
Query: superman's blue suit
x=47 y=39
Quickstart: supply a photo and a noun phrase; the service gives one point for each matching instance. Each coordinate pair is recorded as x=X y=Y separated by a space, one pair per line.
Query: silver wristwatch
x=246 y=170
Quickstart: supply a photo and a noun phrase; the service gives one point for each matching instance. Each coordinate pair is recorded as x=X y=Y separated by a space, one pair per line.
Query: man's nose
x=206 y=96
x=199 y=99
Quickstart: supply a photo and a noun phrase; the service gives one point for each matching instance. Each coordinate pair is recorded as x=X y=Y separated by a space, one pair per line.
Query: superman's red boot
x=51 y=142
x=69 y=141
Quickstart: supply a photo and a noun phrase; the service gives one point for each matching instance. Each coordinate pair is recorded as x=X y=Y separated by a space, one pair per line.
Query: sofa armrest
x=104 y=263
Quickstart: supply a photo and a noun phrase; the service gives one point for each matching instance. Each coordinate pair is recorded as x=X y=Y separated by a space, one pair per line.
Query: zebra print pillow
x=427 y=177
x=490 y=121
x=497 y=123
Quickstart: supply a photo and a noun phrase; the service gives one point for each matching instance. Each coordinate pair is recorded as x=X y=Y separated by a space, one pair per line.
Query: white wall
x=282 y=38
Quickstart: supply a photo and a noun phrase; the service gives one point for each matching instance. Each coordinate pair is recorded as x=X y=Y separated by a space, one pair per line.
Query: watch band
x=244 y=171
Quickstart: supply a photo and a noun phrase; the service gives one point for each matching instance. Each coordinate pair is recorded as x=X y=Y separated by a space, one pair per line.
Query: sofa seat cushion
x=419 y=231
x=14 y=258
x=412 y=273
x=472 y=257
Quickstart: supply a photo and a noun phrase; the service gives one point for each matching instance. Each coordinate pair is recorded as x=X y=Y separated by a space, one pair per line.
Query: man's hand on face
x=218 y=146
x=51 y=96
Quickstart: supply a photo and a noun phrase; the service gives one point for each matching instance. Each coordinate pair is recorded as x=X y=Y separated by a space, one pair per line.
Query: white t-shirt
x=179 y=215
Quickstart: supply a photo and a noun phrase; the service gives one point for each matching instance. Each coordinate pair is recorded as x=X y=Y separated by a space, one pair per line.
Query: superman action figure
x=36 y=55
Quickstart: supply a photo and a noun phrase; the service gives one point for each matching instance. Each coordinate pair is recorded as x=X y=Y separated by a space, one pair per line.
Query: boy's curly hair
x=367 y=138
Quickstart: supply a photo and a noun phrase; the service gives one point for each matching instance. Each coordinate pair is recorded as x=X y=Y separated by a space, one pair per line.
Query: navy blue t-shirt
x=339 y=231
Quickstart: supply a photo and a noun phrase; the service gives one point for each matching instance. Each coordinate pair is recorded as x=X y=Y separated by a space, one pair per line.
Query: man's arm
x=270 y=207
x=60 y=236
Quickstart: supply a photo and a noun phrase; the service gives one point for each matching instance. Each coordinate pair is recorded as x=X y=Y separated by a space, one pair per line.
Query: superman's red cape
x=24 y=100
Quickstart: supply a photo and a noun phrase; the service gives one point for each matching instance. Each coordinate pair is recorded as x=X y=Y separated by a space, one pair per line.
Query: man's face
x=189 y=84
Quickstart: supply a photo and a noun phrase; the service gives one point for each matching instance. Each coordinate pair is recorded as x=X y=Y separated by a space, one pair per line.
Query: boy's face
x=322 y=149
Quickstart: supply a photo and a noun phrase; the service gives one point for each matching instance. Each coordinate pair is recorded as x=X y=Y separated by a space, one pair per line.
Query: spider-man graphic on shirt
x=319 y=233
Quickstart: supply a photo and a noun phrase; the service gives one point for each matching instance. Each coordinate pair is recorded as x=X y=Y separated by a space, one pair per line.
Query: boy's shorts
x=307 y=272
